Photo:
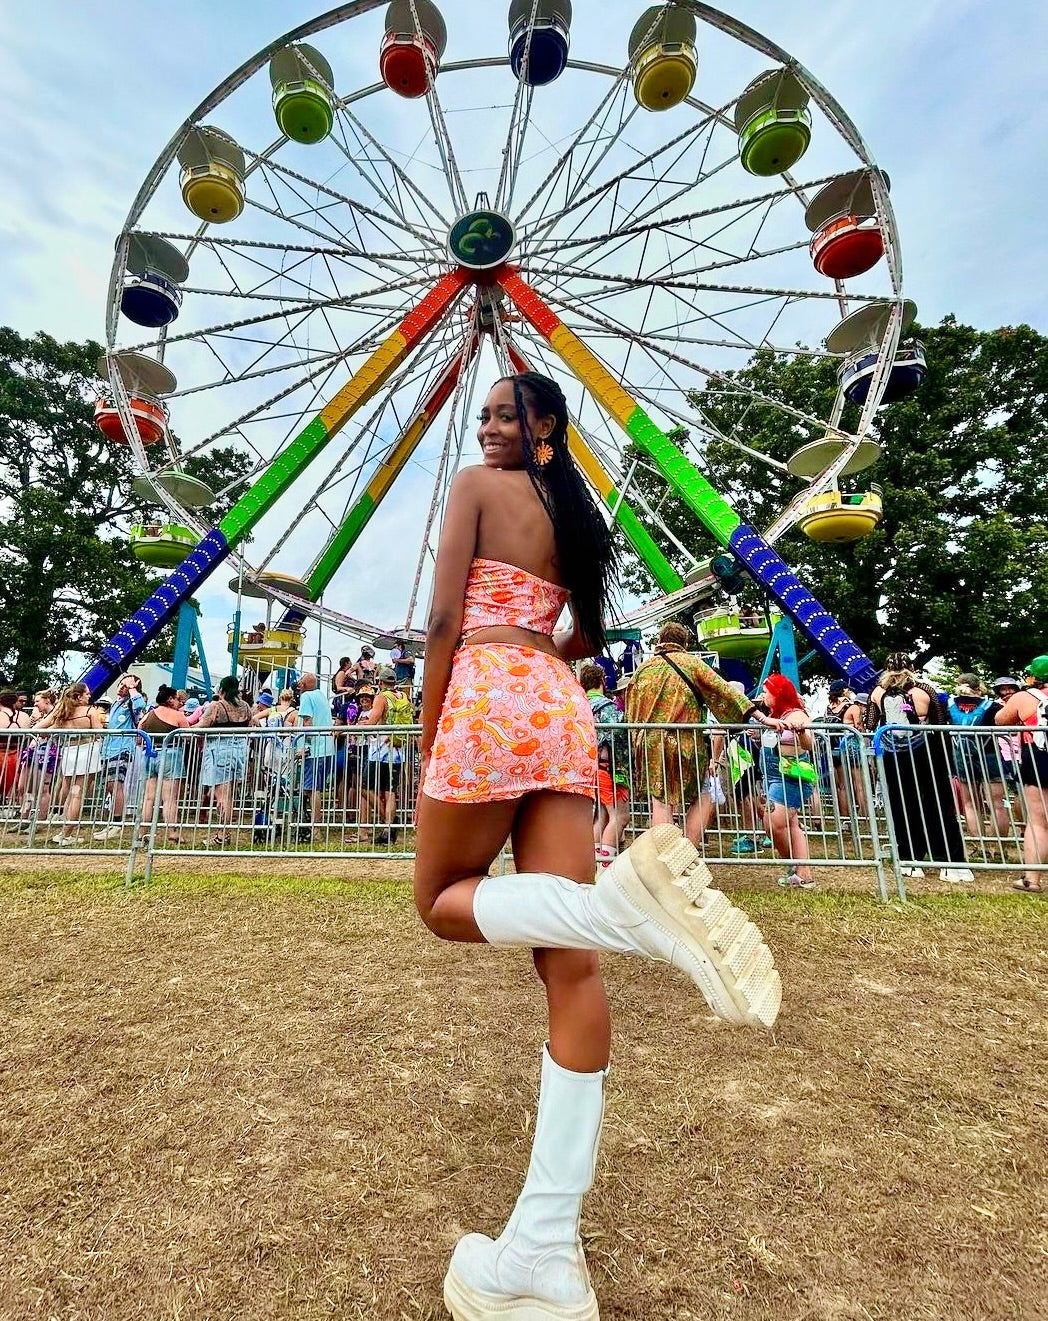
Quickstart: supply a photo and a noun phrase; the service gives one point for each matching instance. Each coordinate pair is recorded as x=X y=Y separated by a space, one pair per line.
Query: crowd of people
x=765 y=786
x=117 y=753
x=985 y=778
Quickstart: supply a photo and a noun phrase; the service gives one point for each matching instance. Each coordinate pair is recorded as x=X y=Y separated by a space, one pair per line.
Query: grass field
x=278 y=1096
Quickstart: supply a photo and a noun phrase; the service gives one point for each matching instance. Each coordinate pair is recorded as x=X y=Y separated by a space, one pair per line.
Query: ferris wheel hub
x=481 y=239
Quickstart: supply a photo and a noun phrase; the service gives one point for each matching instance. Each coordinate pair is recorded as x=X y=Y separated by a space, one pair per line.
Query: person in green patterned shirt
x=670 y=765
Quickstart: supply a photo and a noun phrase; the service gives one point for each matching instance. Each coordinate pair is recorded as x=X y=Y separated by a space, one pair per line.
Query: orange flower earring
x=543 y=453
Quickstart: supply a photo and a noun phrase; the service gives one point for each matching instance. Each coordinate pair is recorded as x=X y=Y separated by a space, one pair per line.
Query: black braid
x=585 y=549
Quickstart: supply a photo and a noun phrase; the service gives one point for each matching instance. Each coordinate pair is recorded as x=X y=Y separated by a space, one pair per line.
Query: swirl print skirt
x=514 y=721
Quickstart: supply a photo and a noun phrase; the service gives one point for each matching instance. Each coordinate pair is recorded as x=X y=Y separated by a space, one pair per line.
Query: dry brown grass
x=268 y=1098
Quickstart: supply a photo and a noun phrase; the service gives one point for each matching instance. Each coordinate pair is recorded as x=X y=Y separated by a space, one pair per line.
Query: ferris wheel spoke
x=568 y=242
x=632 y=174
x=447 y=466
x=261 y=409
x=520 y=119
x=406 y=255
x=356 y=302
x=369 y=437
x=381 y=220
x=546 y=186
x=422 y=200
x=729 y=384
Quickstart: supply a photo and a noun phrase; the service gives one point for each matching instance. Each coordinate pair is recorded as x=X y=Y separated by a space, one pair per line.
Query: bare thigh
x=456 y=843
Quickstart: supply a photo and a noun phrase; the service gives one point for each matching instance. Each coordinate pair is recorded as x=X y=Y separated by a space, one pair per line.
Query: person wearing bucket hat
x=387 y=752
x=976 y=759
x=1028 y=709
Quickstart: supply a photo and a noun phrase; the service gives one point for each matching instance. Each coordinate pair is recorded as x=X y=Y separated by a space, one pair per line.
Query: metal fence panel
x=962 y=800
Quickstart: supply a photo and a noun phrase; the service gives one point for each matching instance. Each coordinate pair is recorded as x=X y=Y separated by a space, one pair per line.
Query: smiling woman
x=509 y=751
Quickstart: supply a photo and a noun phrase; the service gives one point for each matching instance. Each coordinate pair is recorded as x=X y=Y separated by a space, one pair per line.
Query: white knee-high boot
x=654 y=900
x=535 y=1270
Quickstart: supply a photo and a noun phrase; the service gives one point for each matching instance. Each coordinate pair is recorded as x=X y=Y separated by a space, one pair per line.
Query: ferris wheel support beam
x=712 y=510
x=162 y=606
x=667 y=577
x=356 y=520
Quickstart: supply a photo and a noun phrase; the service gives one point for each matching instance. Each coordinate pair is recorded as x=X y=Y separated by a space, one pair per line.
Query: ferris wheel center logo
x=480 y=240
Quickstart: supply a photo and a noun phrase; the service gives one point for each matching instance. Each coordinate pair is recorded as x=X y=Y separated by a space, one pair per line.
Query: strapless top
x=502 y=596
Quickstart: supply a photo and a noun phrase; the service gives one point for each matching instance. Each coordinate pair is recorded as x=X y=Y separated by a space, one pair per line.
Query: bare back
x=513 y=525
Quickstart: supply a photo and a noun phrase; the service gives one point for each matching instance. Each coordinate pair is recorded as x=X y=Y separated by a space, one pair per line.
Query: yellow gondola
x=278 y=648
x=212 y=177
x=662 y=52
x=837 y=518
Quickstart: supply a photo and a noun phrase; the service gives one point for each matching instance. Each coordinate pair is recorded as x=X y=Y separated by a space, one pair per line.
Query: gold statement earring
x=543 y=453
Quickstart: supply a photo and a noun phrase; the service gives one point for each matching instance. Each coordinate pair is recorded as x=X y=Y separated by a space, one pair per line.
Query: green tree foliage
x=69 y=579
x=958 y=568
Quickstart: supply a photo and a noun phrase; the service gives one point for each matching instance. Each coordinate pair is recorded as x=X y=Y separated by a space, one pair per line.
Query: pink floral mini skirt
x=514 y=720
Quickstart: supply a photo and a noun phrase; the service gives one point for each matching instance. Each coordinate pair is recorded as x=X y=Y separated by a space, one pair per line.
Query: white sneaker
x=957 y=875
x=107 y=832
x=914 y=873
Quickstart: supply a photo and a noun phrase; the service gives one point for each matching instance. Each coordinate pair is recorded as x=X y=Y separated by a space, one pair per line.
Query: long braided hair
x=585 y=548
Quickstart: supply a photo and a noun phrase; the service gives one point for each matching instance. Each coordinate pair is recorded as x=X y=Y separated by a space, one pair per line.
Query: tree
x=958 y=568
x=69 y=577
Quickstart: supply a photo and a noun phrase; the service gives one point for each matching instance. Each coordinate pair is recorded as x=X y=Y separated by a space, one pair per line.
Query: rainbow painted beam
x=712 y=510
x=356 y=520
x=667 y=577
x=162 y=606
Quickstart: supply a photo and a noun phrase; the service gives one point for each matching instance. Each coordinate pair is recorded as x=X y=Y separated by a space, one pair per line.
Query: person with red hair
x=789 y=777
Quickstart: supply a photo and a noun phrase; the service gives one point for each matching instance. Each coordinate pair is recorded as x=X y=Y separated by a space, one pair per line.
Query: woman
x=168 y=762
x=1029 y=709
x=11 y=717
x=38 y=765
x=225 y=757
x=365 y=667
x=847 y=750
x=509 y=750
x=343 y=686
x=81 y=755
x=916 y=769
x=789 y=778
x=978 y=769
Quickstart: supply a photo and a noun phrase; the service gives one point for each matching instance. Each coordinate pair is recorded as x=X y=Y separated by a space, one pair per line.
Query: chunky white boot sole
x=714 y=943
x=468 y=1304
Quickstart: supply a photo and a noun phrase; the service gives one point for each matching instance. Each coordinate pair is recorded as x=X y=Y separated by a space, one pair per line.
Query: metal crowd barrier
x=897 y=803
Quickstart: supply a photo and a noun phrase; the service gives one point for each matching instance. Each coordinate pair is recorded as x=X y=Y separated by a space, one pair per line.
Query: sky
x=944 y=93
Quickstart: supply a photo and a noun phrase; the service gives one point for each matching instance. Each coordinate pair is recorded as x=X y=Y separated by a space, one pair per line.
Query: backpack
x=898 y=710
x=613 y=741
x=399 y=711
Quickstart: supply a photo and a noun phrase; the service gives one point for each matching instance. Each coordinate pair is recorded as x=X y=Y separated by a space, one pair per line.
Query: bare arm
x=800 y=723
x=1014 y=710
x=570 y=643
x=458 y=542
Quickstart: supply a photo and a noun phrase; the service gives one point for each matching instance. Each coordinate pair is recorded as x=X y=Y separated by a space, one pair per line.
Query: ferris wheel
x=382 y=211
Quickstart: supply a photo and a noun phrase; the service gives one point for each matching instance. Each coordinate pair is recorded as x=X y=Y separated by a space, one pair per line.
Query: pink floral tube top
x=502 y=596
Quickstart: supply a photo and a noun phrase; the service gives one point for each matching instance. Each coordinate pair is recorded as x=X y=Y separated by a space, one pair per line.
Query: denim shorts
x=316 y=772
